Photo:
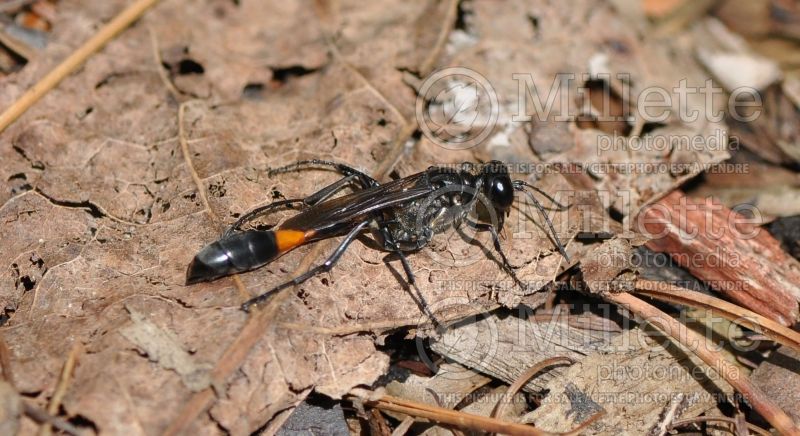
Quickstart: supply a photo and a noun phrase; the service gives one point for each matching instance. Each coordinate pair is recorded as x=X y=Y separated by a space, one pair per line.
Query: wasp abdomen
x=241 y=252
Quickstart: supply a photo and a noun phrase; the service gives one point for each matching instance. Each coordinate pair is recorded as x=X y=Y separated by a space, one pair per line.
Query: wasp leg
x=261 y=210
x=346 y=170
x=499 y=249
x=325 y=266
x=412 y=281
x=391 y=245
x=317 y=197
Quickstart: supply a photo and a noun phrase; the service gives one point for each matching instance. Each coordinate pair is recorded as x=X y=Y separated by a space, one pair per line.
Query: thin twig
x=448 y=416
x=441 y=39
x=5 y=361
x=61 y=387
x=500 y=407
x=338 y=56
x=187 y=157
x=700 y=419
x=42 y=417
x=454 y=417
x=699 y=346
x=668 y=292
x=74 y=60
x=160 y=68
x=673 y=409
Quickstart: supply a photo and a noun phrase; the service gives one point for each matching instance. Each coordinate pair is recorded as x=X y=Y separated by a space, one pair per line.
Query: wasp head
x=497 y=185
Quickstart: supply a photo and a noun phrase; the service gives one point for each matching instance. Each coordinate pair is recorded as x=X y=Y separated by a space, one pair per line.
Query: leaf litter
x=101 y=210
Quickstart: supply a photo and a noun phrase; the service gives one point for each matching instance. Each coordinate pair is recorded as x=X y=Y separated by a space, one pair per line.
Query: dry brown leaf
x=99 y=211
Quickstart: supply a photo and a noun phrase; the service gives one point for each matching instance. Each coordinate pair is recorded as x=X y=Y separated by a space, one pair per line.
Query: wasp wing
x=357 y=206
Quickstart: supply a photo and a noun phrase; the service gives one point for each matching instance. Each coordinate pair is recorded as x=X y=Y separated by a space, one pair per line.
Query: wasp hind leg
x=325 y=266
x=366 y=181
x=317 y=197
x=259 y=211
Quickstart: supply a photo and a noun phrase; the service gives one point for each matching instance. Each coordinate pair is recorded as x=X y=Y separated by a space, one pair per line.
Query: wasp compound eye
x=501 y=192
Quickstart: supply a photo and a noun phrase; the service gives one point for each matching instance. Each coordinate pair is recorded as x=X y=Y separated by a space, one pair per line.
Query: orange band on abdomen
x=288 y=239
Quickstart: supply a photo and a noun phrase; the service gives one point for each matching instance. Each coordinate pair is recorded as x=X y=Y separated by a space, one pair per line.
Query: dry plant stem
x=456 y=418
x=452 y=417
x=441 y=39
x=406 y=131
x=672 y=410
x=5 y=361
x=746 y=318
x=16 y=46
x=699 y=346
x=500 y=407
x=75 y=60
x=43 y=417
x=61 y=388
x=402 y=429
x=161 y=71
x=700 y=419
x=338 y=56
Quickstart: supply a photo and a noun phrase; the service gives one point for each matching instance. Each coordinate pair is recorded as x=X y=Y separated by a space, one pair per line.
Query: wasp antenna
x=521 y=187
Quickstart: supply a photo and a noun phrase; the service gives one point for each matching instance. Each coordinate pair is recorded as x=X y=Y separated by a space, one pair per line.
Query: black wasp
x=403 y=216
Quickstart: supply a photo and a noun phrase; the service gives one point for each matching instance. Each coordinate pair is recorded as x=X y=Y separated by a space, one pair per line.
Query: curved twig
x=499 y=408
x=74 y=60
x=746 y=318
x=699 y=419
x=698 y=345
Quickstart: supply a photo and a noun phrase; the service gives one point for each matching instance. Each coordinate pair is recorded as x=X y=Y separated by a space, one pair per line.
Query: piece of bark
x=447 y=388
x=773 y=188
x=779 y=377
x=724 y=249
x=505 y=348
x=632 y=380
x=609 y=267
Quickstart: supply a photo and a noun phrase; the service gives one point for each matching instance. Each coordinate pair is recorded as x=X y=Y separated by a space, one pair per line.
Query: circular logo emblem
x=457 y=108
